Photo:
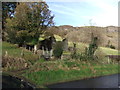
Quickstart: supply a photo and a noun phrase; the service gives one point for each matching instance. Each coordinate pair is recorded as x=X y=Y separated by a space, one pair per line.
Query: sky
x=84 y=12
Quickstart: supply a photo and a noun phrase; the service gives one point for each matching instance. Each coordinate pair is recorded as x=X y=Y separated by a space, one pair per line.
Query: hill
x=107 y=35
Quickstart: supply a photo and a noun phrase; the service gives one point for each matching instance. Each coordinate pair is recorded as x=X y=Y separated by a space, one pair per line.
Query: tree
x=11 y=33
x=32 y=18
x=8 y=9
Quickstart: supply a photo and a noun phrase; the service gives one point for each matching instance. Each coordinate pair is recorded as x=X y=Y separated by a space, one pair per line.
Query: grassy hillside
x=109 y=51
x=82 y=46
x=83 y=34
x=14 y=60
x=14 y=51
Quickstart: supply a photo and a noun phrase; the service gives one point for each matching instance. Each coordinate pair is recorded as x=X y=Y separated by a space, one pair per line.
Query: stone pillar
x=22 y=53
x=6 y=53
x=43 y=51
x=51 y=53
x=47 y=53
x=35 y=49
x=29 y=48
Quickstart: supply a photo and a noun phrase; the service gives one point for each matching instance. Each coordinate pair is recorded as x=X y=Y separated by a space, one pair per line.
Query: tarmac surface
x=111 y=81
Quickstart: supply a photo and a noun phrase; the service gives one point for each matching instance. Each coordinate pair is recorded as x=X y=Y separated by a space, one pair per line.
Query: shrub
x=80 y=56
x=75 y=56
x=58 y=50
x=92 y=47
x=112 y=47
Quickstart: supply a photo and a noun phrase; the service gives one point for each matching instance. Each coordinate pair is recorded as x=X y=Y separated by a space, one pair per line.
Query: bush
x=81 y=56
x=92 y=48
x=75 y=56
x=58 y=50
x=112 y=47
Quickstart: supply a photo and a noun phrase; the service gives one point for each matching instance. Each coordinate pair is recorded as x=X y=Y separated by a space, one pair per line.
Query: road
x=9 y=81
x=110 y=81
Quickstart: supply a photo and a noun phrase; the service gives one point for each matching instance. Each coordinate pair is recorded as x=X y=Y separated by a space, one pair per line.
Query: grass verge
x=82 y=70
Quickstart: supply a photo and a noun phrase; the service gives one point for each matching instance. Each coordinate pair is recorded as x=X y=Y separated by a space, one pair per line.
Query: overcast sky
x=84 y=12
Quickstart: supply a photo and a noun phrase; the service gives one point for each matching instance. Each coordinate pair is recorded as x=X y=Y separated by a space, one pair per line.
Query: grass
x=109 y=51
x=81 y=46
x=86 y=70
x=43 y=72
x=14 y=51
x=78 y=45
x=14 y=57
